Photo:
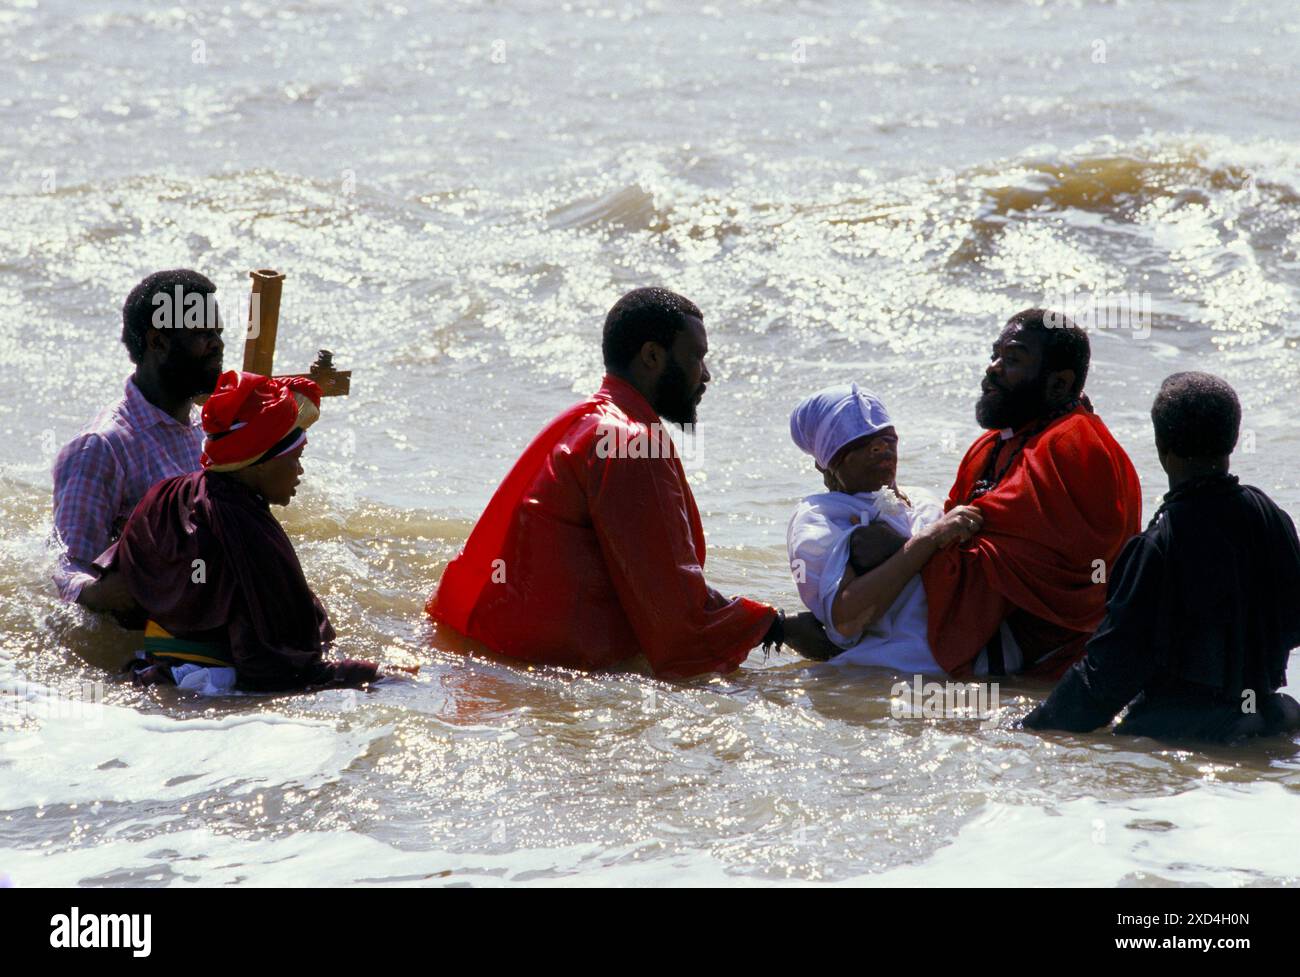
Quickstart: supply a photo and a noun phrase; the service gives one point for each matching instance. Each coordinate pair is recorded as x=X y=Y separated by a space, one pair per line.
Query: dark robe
x=247 y=594
x=1202 y=613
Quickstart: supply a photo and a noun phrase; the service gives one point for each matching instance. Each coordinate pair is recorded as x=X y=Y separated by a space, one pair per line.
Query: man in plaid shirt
x=172 y=332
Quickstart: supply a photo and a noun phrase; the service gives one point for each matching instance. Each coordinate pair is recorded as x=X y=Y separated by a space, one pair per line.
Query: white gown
x=818 y=541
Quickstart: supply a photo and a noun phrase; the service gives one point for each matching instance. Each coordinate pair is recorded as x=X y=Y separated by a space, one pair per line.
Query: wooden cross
x=259 y=348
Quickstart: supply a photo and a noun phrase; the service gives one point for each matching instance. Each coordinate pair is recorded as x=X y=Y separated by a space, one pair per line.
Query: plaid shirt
x=105 y=470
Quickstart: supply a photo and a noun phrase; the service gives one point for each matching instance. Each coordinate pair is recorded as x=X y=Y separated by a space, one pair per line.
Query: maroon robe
x=205 y=558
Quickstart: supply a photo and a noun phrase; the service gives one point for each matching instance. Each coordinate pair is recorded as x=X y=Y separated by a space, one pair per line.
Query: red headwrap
x=248 y=414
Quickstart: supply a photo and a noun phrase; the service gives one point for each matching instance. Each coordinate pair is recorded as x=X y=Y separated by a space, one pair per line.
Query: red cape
x=586 y=557
x=1070 y=498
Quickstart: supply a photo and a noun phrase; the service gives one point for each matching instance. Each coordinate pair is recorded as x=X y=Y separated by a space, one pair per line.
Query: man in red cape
x=1059 y=497
x=591 y=551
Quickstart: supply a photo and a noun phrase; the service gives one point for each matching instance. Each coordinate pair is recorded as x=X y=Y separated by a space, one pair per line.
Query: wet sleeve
x=816 y=563
x=266 y=663
x=641 y=516
x=1286 y=581
x=1123 y=655
x=88 y=487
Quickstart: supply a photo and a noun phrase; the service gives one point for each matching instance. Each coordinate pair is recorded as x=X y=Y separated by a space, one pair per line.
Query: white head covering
x=828 y=420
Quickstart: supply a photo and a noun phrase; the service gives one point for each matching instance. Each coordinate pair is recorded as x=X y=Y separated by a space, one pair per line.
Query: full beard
x=183 y=377
x=673 y=400
x=1001 y=408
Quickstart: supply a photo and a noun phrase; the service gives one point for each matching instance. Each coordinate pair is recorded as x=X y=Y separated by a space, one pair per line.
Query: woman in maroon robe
x=212 y=567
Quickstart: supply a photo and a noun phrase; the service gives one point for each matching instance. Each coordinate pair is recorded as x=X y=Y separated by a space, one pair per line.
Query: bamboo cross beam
x=263 y=324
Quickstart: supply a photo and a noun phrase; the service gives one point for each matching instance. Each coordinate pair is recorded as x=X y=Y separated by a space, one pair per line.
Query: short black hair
x=138 y=309
x=1065 y=345
x=643 y=315
x=1196 y=415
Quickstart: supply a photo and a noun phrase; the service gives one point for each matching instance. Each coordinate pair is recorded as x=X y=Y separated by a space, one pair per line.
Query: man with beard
x=1059 y=499
x=591 y=551
x=172 y=332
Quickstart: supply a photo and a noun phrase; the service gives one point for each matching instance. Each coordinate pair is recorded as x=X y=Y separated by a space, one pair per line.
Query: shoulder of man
x=1139 y=567
x=607 y=433
x=104 y=431
x=97 y=451
x=1280 y=526
x=1080 y=434
x=1265 y=501
x=1151 y=542
x=111 y=419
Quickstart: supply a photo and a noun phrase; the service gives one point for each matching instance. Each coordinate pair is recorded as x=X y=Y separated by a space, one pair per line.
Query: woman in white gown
x=856 y=551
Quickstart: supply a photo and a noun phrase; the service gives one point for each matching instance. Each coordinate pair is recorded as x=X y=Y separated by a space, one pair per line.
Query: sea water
x=456 y=194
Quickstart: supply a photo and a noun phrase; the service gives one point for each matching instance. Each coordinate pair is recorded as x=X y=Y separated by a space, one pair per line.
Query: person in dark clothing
x=1204 y=606
x=229 y=607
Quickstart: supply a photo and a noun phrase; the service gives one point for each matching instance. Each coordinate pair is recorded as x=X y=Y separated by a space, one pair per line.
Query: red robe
x=586 y=556
x=1070 y=497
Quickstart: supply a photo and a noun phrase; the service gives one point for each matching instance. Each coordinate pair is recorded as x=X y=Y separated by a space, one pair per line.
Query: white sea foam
x=1222 y=835
x=119 y=755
